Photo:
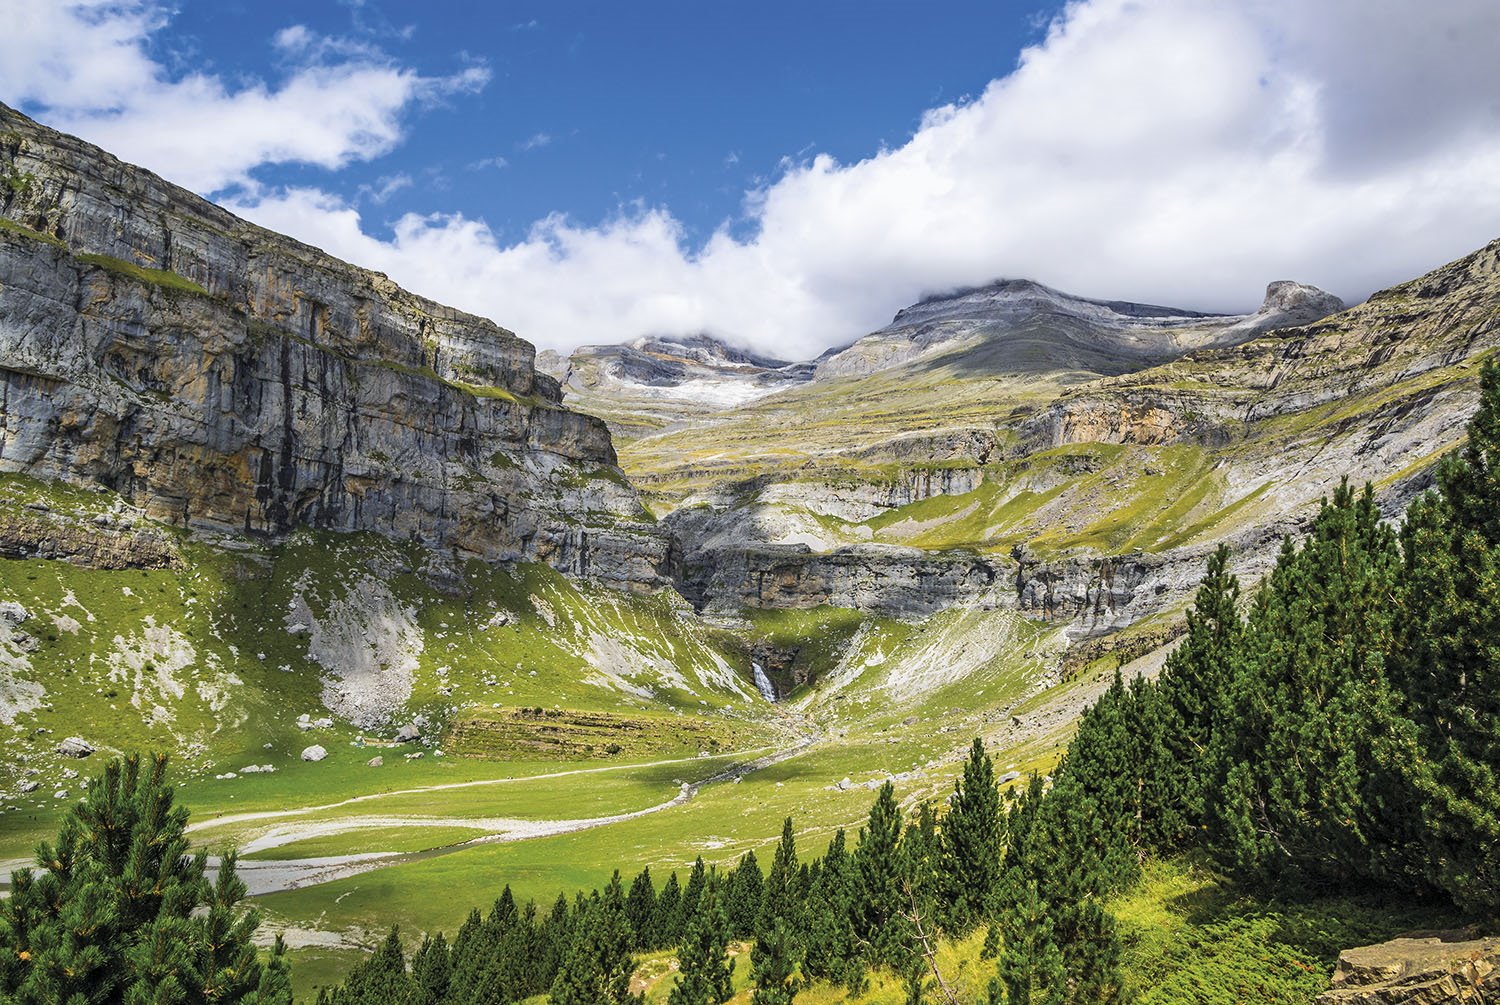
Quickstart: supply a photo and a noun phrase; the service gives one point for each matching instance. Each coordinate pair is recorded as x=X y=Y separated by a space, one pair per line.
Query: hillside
x=1015 y=447
x=405 y=621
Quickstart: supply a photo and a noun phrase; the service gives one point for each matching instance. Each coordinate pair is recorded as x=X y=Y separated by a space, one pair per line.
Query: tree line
x=1339 y=727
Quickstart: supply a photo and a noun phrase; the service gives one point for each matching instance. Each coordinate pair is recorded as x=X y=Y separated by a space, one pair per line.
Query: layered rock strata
x=228 y=379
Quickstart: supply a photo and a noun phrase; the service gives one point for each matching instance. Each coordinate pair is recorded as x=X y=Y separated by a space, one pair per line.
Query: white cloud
x=385 y=187
x=536 y=141
x=84 y=64
x=1162 y=150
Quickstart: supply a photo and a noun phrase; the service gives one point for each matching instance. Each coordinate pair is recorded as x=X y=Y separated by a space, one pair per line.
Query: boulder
x=1421 y=968
x=29 y=785
x=375 y=761
x=314 y=753
x=408 y=733
x=75 y=746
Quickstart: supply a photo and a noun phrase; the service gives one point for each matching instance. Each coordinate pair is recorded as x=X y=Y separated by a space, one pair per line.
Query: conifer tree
x=668 y=926
x=1195 y=686
x=971 y=841
x=778 y=944
x=379 y=979
x=640 y=908
x=745 y=891
x=1447 y=662
x=597 y=967
x=920 y=859
x=430 y=970
x=467 y=959
x=705 y=972
x=697 y=881
x=878 y=913
x=554 y=935
x=781 y=896
x=1299 y=765
x=831 y=947
x=118 y=910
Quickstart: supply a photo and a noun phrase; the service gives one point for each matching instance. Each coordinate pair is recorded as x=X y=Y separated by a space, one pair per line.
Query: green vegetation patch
x=1189 y=937
x=141 y=274
x=12 y=227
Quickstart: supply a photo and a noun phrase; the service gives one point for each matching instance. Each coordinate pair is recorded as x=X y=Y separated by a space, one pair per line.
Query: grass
x=9 y=226
x=154 y=277
x=1189 y=936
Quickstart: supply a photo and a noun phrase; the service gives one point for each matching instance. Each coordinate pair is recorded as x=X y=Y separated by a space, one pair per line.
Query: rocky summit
x=231 y=381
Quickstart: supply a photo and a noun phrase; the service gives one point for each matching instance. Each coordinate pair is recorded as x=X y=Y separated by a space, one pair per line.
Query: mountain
x=650 y=382
x=1019 y=325
x=226 y=379
x=384 y=584
x=245 y=486
x=1014 y=447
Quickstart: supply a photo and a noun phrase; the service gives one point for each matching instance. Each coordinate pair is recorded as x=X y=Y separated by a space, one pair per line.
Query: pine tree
x=705 y=972
x=831 y=946
x=380 y=979
x=119 y=911
x=745 y=890
x=778 y=946
x=597 y=967
x=920 y=860
x=430 y=970
x=640 y=908
x=782 y=896
x=971 y=841
x=1030 y=968
x=554 y=936
x=697 y=881
x=667 y=929
x=1447 y=662
x=1302 y=773
x=878 y=912
x=1194 y=689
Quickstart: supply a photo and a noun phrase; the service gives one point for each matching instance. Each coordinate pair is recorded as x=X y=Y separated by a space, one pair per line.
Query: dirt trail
x=264 y=876
x=236 y=818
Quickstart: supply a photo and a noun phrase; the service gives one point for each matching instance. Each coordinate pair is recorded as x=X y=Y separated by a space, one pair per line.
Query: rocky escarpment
x=1092 y=594
x=227 y=379
x=1413 y=334
x=1029 y=477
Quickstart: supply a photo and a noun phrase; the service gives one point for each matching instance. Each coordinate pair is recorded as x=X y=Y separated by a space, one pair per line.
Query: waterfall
x=763 y=683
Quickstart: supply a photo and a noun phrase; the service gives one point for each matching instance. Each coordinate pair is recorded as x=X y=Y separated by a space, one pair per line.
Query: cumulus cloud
x=1163 y=150
x=85 y=66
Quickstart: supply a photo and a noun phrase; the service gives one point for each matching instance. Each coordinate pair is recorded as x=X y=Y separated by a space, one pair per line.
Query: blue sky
x=595 y=105
x=787 y=176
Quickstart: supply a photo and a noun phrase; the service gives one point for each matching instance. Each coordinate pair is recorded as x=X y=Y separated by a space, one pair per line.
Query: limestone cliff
x=1076 y=460
x=231 y=380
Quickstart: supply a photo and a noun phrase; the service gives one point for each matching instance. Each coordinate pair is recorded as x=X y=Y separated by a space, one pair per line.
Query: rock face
x=231 y=380
x=1006 y=320
x=1074 y=459
x=1420 y=969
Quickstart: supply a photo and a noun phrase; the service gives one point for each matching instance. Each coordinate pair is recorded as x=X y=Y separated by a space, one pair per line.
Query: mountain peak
x=1298 y=303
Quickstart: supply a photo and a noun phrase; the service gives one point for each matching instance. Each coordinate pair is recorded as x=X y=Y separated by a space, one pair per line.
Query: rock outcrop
x=230 y=380
x=1004 y=321
x=1424 y=968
